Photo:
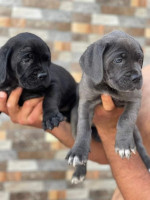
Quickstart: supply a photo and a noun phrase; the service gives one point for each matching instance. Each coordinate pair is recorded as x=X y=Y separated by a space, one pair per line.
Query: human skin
x=131 y=175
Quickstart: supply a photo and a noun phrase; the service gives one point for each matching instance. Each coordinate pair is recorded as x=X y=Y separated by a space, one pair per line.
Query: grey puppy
x=111 y=65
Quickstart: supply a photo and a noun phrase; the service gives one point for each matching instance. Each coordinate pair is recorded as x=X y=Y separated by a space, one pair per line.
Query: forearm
x=130 y=174
x=64 y=135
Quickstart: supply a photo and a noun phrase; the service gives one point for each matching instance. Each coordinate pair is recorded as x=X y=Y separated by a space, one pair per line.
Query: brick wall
x=69 y=26
x=32 y=165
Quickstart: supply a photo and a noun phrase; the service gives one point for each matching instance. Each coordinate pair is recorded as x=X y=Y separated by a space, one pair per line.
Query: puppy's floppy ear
x=4 y=57
x=92 y=61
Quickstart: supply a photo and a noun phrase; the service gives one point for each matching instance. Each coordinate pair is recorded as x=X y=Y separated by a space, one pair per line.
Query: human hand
x=106 y=116
x=29 y=114
x=3 y=102
x=105 y=119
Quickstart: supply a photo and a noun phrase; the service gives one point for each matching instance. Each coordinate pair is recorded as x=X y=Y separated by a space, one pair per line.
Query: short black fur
x=26 y=62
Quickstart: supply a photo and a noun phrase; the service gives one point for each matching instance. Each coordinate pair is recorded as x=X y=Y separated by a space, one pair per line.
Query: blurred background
x=32 y=165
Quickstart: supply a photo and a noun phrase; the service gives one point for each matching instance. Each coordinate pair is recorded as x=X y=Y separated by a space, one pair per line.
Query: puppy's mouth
x=126 y=84
x=35 y=79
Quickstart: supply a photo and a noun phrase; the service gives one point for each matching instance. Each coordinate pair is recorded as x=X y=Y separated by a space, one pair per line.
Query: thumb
x=107 y=102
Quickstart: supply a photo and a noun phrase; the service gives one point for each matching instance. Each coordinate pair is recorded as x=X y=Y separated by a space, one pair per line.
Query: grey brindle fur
x=111 y=65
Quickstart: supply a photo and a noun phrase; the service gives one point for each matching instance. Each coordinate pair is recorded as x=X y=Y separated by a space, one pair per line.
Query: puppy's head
x=25 y=61
x=116 y=59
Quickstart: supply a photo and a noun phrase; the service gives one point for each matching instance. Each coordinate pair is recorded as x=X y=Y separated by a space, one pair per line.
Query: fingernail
x=3 y=95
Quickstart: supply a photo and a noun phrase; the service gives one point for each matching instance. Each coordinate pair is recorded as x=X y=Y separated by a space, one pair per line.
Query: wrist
x=107 y=134
x=63 y=134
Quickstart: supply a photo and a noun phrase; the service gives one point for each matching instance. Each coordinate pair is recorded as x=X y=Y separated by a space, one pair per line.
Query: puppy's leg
x=78 y=155
x=51 y=115
x=80 y=170
x=140 y=148
x=125 y=143
x=79 y=174
x=74 y=120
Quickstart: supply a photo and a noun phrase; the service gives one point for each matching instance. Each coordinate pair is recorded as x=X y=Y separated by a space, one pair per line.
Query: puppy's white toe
x=117 y=150
x=70 y=160
x=82 y=178
x=122 y=153
x=75 y=180
x=134 y=150
x=127 y=153
x=76 y=161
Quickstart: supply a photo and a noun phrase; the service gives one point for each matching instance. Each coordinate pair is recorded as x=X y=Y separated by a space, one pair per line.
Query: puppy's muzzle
x=42 y=75
x=136 y=78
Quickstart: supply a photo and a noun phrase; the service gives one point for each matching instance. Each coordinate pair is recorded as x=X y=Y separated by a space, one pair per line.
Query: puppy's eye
x=30 y=55
x=140 y=60
x=46 y=58
x=118 y=60
x=27 y=57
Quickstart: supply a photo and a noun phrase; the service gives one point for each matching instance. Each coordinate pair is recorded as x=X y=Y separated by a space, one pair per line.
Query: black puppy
x=111 y=65
x=26 y=62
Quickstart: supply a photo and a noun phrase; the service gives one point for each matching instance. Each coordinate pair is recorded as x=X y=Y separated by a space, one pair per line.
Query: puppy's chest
x=119 y=103
x=118 y=100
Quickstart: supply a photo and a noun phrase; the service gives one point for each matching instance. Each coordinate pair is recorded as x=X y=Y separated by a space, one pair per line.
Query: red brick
x=36 y=155
x=29 y=196
x=62 y=46
x=2 y=135
x=79 y=17
x=43 y=24
x=51 y=4
x=98 y=29
x=139 y=3
x=116 y=10
x=81 y=28
x=55 y=194
x=80 y=37
x=2 y=176
x=19 y=23
x=13 y=176
x=5 y=22
x=93 y=175
x=56 y=175
x=3 y=166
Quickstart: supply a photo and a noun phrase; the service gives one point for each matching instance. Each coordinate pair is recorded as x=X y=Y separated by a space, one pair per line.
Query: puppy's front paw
x=125 y=145
x=52 y=120
x=79 y=174
x=125 y=153
x=77 y=156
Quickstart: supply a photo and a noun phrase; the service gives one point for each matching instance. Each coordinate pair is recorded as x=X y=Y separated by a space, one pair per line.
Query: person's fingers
x=107 y=102
x=36 y=116
x=3 y=102
x=12 y=103
x=28 y=110
x=30 y=113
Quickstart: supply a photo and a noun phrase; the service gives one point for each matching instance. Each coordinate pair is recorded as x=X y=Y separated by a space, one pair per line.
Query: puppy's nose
x=136 y=77
x=41 y=75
